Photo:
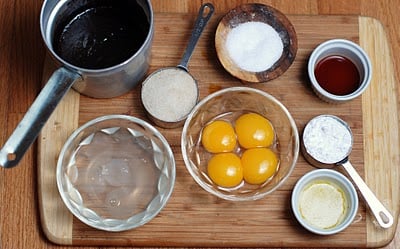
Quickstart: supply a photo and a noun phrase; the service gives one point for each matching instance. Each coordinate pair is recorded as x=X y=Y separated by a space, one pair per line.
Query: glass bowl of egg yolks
x=240 y=144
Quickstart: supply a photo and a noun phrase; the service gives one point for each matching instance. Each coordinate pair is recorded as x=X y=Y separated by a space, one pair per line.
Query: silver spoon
x=327 y=142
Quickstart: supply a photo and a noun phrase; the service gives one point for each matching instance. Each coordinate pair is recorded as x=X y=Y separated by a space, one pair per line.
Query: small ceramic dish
x=255 y=47
x=324 y=202
x=340 y=89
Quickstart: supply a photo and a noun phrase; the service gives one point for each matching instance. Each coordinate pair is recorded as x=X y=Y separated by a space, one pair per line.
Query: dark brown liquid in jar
x=337 y=75
x=102 y=36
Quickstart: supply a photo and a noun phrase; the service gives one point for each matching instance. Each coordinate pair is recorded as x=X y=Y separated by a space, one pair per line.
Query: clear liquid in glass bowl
x=116 y=177
x=121 y=180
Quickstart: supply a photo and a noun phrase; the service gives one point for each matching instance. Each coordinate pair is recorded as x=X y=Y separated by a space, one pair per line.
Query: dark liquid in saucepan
x=101 y=36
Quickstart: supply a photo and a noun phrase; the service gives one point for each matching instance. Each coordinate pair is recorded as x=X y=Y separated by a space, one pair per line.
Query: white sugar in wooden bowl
x=255 y=42
x=254 y=46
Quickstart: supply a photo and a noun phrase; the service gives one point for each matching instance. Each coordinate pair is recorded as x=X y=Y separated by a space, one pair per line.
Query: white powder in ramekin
x=254 y=46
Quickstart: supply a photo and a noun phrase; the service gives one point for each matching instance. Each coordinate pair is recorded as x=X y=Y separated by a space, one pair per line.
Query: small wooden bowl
x=257 y=13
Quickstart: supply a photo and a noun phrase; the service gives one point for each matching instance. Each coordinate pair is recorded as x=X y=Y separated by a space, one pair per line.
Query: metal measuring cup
x=326 y=134
x=156 y=102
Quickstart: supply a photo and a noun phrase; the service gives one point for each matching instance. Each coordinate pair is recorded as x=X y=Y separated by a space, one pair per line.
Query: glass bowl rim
x=206 y=186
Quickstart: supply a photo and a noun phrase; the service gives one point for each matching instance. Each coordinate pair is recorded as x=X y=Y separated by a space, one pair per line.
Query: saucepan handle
x=31 y=124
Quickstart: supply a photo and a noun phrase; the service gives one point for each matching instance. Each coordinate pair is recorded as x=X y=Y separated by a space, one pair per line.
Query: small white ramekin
x=336 y=178
x=351 y=51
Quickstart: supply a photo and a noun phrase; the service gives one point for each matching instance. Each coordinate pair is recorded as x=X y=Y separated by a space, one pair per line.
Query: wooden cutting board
x=192 y=217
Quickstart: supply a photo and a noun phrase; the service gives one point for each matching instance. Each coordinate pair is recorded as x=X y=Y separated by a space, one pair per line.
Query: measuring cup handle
x=205 y=13
x=382 y=215
x=29 y=127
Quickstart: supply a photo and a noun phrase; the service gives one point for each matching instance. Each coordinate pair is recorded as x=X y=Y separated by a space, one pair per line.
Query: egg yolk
x=253 y=130
x=225 y=169
x=259 y=164
x=218 y=136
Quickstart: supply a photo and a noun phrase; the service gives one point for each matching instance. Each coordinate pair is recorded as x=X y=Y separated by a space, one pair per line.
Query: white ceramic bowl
x=115 y=173
x=349 y=50
x=342 y=187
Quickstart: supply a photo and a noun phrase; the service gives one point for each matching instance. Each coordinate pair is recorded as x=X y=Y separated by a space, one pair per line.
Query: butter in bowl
x=324 y=202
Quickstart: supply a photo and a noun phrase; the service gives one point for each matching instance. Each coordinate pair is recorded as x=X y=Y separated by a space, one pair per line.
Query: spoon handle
x=382 y=215
x=205 y=13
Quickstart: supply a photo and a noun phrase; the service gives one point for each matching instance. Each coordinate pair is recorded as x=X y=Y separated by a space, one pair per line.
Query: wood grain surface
x=194 y=218
x=21 y=68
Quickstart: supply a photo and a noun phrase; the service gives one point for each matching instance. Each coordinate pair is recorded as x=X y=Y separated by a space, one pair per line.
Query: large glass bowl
x=228 y=104
x=115 y=173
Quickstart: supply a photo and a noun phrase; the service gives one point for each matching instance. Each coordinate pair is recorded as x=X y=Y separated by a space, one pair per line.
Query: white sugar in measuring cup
x=169 y=94
x=327 y=142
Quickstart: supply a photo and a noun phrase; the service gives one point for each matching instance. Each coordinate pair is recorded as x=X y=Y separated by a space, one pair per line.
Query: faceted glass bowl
x=116 y=173
x=228 y=104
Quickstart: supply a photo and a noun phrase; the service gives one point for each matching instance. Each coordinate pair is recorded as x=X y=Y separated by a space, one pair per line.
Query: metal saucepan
x=100 y=82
